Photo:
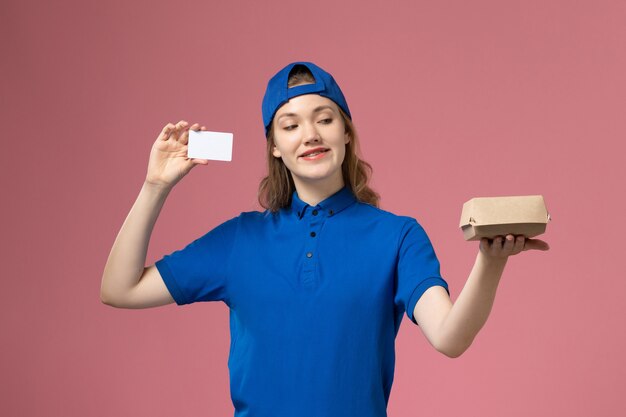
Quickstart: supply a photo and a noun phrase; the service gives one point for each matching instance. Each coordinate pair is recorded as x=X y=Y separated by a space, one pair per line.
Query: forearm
x=471 y=309
x=127 y=258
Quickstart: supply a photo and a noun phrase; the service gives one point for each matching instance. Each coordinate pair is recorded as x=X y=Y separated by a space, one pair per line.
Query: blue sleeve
x=417 y=269
x=199 y=272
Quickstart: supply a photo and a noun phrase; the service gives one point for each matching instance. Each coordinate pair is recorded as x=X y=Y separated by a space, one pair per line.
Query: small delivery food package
x=492 y=216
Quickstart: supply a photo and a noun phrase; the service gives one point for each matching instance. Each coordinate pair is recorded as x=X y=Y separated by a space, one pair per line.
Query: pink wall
x=452 y=99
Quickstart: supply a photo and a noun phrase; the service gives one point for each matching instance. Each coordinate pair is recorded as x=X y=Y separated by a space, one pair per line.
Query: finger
x=200 y=161
x=184 y=137
x=496 y=247
x=203 y=128
x=181 y=128
x=536 y=244
x=195 y=126
x=484 y=245
x=509 y=241
x=520 y=241
x=167 y=131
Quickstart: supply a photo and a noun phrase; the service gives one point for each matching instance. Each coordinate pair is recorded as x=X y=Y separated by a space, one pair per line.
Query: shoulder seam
x=402 y=233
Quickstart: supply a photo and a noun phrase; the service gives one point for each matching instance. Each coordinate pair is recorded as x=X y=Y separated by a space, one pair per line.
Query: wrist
x=157 y=189
x=494 y=262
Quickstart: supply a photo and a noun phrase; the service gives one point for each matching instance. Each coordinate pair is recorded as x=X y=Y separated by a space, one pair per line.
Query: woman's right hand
x=168 y=162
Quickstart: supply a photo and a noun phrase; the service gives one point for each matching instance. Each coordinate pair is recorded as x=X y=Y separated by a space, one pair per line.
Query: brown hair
x=276 y=188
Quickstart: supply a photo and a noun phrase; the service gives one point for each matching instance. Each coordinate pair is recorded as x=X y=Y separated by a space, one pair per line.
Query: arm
x=451 y=328
x=125 y=266
x=126 y=282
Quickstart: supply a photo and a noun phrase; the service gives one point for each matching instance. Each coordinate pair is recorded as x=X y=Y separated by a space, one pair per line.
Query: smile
x=315 y=155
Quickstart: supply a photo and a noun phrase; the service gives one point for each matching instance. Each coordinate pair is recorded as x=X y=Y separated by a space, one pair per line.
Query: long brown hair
x=276 y=188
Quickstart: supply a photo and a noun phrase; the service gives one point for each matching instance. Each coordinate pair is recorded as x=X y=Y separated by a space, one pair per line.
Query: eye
x=290 y=127
x=326 y=121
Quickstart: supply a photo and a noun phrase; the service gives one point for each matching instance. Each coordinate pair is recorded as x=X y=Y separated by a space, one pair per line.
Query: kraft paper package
x=492 y=216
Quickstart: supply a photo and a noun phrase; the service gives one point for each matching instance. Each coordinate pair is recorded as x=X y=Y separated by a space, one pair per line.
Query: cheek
x=286 y=143
x=342 y=153
x=281 y=146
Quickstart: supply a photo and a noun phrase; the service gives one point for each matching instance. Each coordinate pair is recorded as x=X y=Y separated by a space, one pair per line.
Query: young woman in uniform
x=318 y=283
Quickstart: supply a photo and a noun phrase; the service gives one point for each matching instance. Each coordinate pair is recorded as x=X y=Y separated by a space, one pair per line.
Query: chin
x=317 y=177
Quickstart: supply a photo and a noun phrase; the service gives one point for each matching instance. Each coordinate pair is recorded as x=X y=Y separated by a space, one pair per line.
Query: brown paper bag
x=492 y=216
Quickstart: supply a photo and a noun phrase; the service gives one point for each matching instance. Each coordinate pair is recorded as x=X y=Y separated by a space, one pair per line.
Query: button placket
x=314 y=221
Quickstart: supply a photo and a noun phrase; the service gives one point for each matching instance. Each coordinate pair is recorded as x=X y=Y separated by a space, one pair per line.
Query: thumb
x=536 y=244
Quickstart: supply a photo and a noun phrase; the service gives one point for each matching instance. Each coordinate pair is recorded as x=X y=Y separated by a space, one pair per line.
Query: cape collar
x=331 y=205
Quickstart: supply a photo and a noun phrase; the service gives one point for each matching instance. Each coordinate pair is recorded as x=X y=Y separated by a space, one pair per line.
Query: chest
x=314 y=266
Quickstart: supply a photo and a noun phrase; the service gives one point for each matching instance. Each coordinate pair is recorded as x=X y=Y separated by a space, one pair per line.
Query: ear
x=346 y=138
x=276 y=152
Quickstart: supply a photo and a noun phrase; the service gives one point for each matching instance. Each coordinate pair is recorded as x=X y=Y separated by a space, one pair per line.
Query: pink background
x=452 y=99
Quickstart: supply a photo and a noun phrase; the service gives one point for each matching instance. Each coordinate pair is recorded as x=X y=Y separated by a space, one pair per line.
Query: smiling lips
x=314 y=153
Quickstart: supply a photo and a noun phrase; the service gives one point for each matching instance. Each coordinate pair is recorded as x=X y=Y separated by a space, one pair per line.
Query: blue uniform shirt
x=316 y=297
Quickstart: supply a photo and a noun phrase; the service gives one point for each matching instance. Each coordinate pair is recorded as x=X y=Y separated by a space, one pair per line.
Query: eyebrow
x=315 y=110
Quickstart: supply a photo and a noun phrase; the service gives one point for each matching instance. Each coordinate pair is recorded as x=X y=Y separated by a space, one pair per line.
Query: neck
x=314 y=192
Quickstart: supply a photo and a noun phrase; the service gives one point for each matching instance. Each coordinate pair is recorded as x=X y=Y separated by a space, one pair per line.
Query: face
x=305 y=124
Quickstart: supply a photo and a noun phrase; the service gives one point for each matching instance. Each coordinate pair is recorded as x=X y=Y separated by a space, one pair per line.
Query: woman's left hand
x=503 y=247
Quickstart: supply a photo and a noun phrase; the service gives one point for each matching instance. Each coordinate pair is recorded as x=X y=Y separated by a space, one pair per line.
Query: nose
x=310 y=133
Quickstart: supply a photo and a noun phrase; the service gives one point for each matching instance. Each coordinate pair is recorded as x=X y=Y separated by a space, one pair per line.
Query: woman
x=318 y=283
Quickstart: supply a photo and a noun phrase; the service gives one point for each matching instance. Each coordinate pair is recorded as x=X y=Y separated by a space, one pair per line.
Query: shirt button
x=330 y=212
x=312 y=234
x=314 y=212
x=309 y=255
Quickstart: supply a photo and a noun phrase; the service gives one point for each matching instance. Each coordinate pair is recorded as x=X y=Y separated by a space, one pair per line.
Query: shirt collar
x=330 y=206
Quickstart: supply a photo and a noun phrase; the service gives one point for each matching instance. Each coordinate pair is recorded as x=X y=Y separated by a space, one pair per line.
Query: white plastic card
x=217 y=146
